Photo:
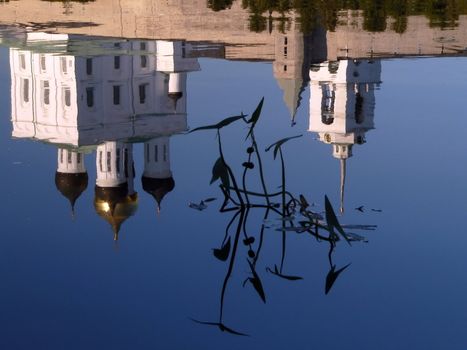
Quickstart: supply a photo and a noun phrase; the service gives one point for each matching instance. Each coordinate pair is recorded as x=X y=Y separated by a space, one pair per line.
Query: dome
x=115 y=205
x=158 y=188
x=71 y=185
x=175 y=96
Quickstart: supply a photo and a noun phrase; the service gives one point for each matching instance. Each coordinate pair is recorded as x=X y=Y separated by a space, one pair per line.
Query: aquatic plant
x=295 y=214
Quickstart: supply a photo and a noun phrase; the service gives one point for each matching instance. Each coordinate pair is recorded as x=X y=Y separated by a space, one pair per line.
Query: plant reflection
x=295 y=213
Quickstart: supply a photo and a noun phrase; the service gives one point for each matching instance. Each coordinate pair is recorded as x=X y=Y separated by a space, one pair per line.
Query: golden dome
x=115 y=205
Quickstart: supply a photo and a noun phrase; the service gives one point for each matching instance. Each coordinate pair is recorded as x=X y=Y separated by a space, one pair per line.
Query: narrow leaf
x=256 y=282
x=221 y=326
x=219 y=171
x=331 y=219
x=219 y=125
x=223 y=253
x=287 y=277
x=279 y=143
x=255 y=116
x=332 y=277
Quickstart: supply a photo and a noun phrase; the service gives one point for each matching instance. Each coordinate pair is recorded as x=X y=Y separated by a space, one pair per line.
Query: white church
x=82 y=103
x=342 y=104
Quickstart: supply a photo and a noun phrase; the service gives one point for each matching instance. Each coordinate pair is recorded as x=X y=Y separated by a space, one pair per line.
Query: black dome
x=71 y=185
x=158 y=188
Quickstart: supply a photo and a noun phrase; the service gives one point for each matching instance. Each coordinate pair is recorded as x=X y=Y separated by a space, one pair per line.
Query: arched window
x=25 y=90
x=22 y=61
x=90 y=97
x=117 y=161
x=116 y=94
x=45 y=87
x=67 y=96
x=43 y=63
x=109 y=164
x=63 y=65
x=359 y=115
x=89 y=66
x=142 y=93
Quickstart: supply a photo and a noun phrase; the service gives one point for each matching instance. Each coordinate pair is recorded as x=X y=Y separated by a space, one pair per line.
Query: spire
x=342 y=187
x=292 y=90
x=116 y=230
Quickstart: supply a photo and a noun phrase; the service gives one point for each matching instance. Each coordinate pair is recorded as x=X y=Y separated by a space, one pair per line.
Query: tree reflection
x=313 y=13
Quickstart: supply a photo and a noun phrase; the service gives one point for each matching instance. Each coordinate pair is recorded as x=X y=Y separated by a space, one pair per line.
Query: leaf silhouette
x=256 y=282
x=303 y=202
x=287 y=277
x=332 y=277
x=255 y=116
x=210 y=199
x=332 y=221
x=221 y=326
x=219 y=125
x=279 y=143
x=219 y=170
x=223 y=253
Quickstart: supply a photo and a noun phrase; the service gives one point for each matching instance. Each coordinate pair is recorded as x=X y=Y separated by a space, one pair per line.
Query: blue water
x=65 y=284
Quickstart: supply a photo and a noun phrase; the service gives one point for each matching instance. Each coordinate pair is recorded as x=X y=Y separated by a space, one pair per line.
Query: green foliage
x=312 y=13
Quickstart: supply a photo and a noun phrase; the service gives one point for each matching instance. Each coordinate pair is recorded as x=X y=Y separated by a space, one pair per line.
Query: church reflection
x=342 y=104
x=104 y=104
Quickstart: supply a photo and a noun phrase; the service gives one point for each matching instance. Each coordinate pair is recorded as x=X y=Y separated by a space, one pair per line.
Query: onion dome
x=115 y=205
x=71 y=185
x=175 y=96
x=158 y=188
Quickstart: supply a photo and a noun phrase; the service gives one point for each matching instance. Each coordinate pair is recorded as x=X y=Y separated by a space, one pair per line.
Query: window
x=359 y=115
x=67 y=96
x=69 y=157
x=22 y=61
x=116 y=62
x=117 y=161
x=156 y=153
x=142 y=93
x=285 y=51
x=285 y=41
x=43 y=63
x=78 y=158
x=25 y=90
x=165 y=153
x=285 y=68
x=125 y=162
x=109 y=157
x=63 y=65
x=142 y=46
x=183 y=50
x=45 y=92
x=100 y=161
x=116 y=94
x=61 y=156
x=90 y=96
x=144 y=61
x=88 y=66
